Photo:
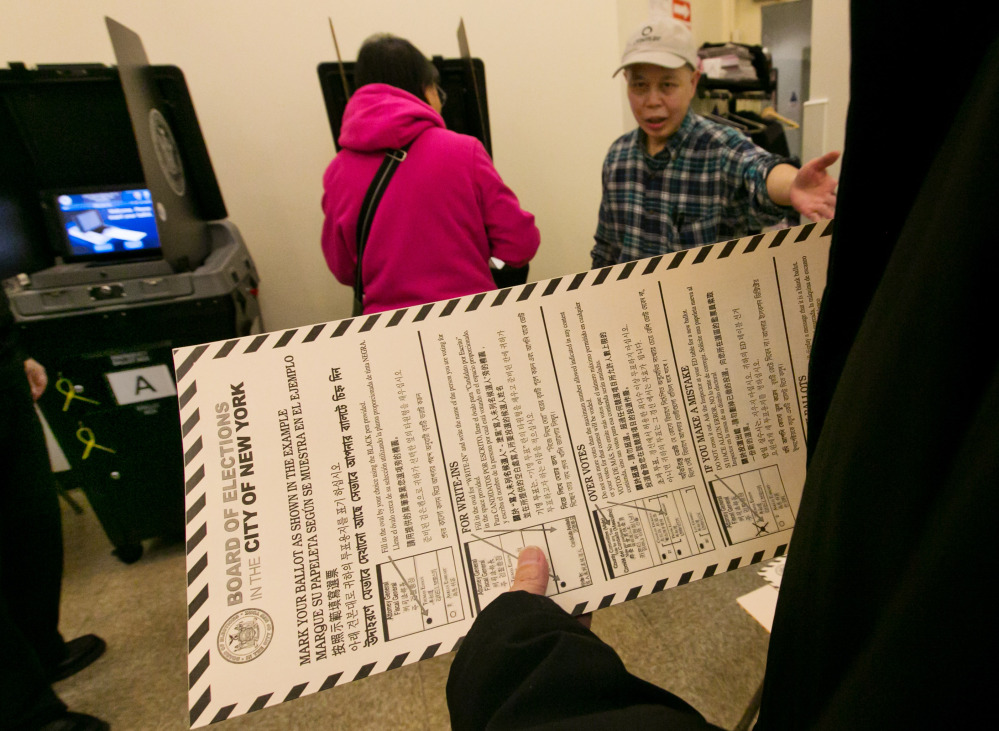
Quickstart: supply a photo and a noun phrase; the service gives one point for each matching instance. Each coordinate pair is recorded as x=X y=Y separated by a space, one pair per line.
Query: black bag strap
x=368 y=207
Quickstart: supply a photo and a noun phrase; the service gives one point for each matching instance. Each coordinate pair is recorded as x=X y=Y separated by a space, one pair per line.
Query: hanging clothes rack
x=737 y=76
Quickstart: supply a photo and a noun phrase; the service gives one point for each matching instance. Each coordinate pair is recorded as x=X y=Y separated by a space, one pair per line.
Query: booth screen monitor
x=105 y=224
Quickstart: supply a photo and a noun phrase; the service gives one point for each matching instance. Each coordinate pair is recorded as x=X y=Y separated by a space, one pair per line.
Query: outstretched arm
x=811 y=190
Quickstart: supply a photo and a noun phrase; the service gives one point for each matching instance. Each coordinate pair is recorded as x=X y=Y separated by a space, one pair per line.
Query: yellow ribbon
x=86 y=436
x=66 y=388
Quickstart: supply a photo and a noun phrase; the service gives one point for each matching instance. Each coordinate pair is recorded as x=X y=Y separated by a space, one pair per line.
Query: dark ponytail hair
x=386 y=59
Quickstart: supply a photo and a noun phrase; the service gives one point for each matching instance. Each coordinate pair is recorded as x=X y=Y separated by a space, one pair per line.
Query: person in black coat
x=33 y=653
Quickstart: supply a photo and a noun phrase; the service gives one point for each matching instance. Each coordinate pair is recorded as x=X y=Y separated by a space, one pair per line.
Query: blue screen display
x=109 y=223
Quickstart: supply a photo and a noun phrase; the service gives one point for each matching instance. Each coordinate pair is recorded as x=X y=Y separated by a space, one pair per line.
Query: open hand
x=813 y=192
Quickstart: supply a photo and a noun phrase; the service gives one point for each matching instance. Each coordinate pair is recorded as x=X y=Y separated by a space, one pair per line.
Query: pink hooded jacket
x=444 y=213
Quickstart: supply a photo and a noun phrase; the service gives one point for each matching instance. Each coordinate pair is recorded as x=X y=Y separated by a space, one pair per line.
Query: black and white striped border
x=197 y=530
x=684 y=578
x=296 y=691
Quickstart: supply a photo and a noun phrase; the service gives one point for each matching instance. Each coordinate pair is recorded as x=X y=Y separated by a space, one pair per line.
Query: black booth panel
x=73 y=129
x=465 y=111
x=68 y=127
x=73 y=133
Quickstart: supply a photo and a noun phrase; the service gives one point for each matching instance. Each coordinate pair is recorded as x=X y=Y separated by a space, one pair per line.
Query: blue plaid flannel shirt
x=708 y=185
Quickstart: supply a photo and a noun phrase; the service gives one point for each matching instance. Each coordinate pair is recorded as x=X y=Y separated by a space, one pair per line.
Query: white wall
x=251 y=69
x=830 y=78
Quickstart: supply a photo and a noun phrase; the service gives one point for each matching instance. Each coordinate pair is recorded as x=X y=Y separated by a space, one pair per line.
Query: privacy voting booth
x=466 y=112
x=116 y=249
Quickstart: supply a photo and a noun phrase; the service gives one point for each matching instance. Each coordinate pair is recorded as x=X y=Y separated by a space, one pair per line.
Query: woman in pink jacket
x=445 y=212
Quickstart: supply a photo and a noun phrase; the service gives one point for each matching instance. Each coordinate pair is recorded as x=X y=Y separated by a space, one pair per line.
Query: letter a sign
x=141 y=384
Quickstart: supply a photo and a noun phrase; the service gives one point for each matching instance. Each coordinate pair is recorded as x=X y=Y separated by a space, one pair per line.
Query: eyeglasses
x=441 y=94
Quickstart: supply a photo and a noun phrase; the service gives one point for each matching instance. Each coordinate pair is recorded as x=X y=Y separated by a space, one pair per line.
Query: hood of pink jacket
x=379 y=117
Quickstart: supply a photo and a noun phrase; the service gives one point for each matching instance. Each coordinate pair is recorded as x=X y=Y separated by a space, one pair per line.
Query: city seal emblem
x=245 y=635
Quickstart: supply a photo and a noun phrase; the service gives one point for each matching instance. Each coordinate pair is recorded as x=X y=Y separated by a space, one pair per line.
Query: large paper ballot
x=358 y=491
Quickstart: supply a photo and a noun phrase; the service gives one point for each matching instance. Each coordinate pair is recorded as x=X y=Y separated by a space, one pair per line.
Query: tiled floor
x=694 y=640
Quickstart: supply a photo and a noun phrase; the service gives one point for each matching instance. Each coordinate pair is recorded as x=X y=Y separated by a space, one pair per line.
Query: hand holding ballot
x=644 y=426
x=532 y=571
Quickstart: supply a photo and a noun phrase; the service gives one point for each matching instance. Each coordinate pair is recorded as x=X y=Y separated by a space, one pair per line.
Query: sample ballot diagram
x=650 y=531
x=492 y=558
x=419 y=592
x=751 y=504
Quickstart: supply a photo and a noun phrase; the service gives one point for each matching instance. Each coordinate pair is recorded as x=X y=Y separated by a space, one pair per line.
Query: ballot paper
x=358 y=491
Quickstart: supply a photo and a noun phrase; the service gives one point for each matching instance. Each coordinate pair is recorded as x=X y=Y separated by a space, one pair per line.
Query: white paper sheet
x=357 y=491
x=761 y=604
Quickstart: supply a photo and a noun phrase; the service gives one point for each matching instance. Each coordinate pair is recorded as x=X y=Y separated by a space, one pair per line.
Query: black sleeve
x=528 y=663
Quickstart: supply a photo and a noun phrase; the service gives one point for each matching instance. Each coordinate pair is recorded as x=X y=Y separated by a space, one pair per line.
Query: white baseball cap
x=662 y=42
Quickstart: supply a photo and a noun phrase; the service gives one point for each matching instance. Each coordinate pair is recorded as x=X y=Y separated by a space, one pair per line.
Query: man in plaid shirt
x=680 y=180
